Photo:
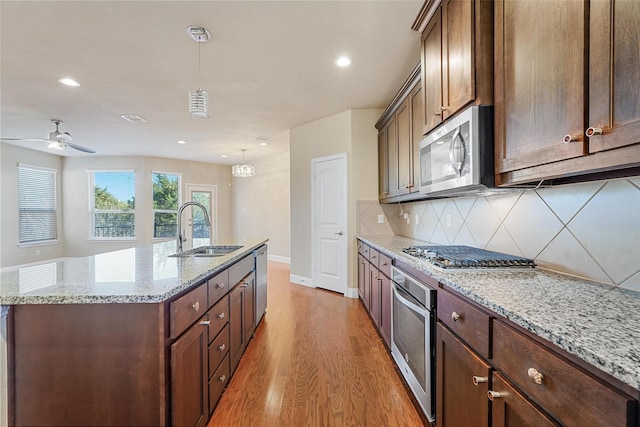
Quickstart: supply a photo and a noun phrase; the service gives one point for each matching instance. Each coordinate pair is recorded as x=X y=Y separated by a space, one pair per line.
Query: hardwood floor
x=316 y=360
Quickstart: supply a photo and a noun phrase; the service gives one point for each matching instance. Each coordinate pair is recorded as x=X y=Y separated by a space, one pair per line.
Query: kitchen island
x=129 y=337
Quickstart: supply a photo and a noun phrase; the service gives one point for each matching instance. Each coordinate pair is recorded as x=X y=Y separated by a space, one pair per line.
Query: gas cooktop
x=460 y=256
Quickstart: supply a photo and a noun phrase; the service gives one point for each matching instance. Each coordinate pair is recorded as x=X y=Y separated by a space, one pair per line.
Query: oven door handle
x=398 y=293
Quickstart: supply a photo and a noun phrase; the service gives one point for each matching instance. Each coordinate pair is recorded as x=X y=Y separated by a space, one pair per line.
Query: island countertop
x=597 y=323
x=145 y=274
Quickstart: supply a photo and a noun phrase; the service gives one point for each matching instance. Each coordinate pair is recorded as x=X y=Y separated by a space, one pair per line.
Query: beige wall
x=350 y=132
x=10 y=253
x=261 y=206
x=76 y=201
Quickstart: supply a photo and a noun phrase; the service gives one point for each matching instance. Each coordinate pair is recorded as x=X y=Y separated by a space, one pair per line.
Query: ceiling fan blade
x=79 y=147
x=24 y=139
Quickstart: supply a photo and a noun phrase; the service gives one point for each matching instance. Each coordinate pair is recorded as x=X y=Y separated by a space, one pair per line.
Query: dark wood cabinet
x=417 y=111
x=509 y=408
x=363 y=273
x=462 y=383
x=387 y=160
x=432 y=73
x=385 y=309
x=241 y=318
x=403 y=170
x=190 y=377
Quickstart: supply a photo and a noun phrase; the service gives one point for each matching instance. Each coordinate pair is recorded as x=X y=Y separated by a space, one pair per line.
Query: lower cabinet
x=509 y=408
x=242 y=318
x=189 y=377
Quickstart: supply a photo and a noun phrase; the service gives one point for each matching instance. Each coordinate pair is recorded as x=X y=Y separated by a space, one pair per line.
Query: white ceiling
x=269 y=67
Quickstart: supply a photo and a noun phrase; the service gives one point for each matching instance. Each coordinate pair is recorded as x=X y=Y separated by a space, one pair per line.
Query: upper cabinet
x=567 y=89
x=456 y=57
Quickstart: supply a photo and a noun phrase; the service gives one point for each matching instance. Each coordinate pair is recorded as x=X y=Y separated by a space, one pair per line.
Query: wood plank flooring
x=315 y=360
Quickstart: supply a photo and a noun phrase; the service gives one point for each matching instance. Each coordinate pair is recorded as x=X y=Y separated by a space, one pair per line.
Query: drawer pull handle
x=245 y=284
x=219 y=285
x=221 y=316
x=222 y=378
x=569 y=138
x=196 y=306
x=591 y=131
x=455 y=316
x=479 y=380
x=384 y=263
x=222 y=347
x=493 y=395
x=535 y=376
x=205 y=322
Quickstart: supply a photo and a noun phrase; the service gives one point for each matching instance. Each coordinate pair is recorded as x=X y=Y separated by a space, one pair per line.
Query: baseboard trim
x=301 y=280
x=351 y=293
x=278 y=258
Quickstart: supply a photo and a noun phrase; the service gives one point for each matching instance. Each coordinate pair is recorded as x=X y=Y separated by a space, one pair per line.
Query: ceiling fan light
x=56 y=144
x=243 y=171
x=198 y=104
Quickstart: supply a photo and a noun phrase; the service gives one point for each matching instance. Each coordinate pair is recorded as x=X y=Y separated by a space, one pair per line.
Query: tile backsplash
x=590 y=230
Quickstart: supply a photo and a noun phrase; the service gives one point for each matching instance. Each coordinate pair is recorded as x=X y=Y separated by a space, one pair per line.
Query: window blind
x=37 y=204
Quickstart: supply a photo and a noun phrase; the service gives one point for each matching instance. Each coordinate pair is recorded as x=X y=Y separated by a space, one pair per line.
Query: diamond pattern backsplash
x=590 y=230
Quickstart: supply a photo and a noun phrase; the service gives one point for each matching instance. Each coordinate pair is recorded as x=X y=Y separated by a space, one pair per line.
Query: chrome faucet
x=180 y=238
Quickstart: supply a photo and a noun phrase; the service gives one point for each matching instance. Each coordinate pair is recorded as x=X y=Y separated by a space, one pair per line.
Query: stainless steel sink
x=207 y=251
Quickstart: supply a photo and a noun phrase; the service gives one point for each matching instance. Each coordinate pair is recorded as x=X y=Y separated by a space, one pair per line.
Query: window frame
x=154 y=211
x=92 y=208
x=50 y=241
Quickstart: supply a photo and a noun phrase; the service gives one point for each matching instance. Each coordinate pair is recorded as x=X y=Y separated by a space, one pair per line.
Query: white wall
x=352 y=132
x=261 y=206
x=76 y=200
x=10 y=253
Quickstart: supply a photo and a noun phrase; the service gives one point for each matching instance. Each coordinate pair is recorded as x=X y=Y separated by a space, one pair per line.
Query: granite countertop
x=597 y=323
x=137 y=275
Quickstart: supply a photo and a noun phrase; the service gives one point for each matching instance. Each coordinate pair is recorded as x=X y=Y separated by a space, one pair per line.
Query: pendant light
x=244 y=170
x=198 y=98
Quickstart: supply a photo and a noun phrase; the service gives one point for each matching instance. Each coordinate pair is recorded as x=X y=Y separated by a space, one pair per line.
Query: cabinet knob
x=493 y=395
x=219 y=285
x=455 y=316
x=479 y=380
x=205 y=322
x=535 y=376
x=221 y=316
x=196 y=306
x=569 y=138
x=437 y=113
x=222 y=347
x=222 y=378
x=245 y=284
x=591 y=131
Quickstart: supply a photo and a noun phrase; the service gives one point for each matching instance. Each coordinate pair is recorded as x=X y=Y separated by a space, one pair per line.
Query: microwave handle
x=452 y=155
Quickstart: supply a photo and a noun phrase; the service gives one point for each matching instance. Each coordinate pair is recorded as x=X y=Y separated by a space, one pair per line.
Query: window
x=37 y=205
x=166 y=200
x=112 y=204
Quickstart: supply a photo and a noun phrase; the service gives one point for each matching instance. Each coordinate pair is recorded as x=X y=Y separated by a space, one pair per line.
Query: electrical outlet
x=417 y=219
x=37 y=252
x=380 y=218
x=406 y=215
x=448 y=221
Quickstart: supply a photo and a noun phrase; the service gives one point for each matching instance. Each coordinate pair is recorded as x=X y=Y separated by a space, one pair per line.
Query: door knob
x=339 y=233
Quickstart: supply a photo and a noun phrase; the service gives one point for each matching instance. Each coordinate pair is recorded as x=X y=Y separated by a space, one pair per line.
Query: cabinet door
x=432 y=73
x=404 y=172
x=385 y=309
x=236 y=336
x=362 y=276
x=374 y=302
x=539 y=51
x=509 y=408
x=383 y=165
x=614 y=81
x=392 y=156
x=249 y=310
x=189 y=378
x=459 y=402
x=457 y=55
x=417 y=128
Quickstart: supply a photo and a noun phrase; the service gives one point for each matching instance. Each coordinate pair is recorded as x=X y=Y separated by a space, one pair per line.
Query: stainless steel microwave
x=456 y=158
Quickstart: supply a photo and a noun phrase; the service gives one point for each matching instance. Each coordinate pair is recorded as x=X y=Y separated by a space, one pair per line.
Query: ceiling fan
x=57 y=139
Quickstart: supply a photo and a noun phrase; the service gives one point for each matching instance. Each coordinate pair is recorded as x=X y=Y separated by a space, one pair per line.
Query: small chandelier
x=244 y=170
x=198 y=98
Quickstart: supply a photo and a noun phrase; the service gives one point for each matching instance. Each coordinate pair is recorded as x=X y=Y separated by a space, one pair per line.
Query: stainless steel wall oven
x=413 y=335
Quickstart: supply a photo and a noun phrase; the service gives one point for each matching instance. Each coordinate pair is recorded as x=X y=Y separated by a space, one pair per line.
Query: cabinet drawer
x=565 y=391
x=373 y=257
x=360 y=244
x=218 y=349
x=365 y=251
x=187 y=309
x=218 y=287
x=218 y=317
x=466 y=321
x=240 y=269
x=384 y=264
x=217 y=383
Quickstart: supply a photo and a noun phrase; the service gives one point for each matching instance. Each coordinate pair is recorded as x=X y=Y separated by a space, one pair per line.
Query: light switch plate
x=380 y=219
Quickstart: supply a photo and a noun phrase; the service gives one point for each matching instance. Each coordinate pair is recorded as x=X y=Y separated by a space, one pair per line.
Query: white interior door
x=197 y=231
x=329 y=219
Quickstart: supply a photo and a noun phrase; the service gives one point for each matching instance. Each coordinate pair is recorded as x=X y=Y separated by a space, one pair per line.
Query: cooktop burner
x=460 y=256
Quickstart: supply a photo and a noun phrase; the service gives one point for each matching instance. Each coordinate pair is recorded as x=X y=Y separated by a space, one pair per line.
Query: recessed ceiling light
x=133 y=118
x=343 y=61
x=181 y=142
x=263 y=143
x=224 y=156
x=68 y=81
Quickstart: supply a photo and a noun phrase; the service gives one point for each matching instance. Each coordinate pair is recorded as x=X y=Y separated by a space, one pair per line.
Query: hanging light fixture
x=198 y=98
x=244 y=170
